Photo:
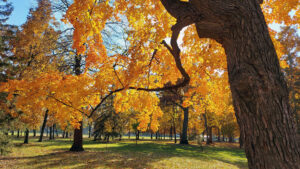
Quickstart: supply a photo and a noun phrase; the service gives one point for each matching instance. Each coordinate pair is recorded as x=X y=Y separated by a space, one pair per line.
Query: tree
x=260 y=95
x=289 y=39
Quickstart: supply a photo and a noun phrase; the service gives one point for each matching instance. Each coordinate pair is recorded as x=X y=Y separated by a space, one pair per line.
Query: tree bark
x=77 y=140
x=18 y=133
x=43 y=126
x=50 y=136
x=26 y=136
x=260 y=95
x=241 y=140
x=184 y=139
x=259 y=91
x=90 y=130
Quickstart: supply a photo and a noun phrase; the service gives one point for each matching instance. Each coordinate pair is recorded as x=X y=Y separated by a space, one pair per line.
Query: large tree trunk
x=43 y=126
x=260 y=95
x=259 y=92
x=77 y=140
x=26 y=136
x=184 y=139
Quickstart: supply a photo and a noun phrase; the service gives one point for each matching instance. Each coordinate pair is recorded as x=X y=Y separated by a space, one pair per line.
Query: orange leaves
x=145 y=103
x=88 y=18
x=278 y=11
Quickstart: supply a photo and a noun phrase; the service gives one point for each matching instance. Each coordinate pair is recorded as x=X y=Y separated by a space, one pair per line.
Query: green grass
x=124 y=154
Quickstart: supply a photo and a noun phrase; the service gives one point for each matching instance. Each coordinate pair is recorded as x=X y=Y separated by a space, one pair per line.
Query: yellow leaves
x=145 y=103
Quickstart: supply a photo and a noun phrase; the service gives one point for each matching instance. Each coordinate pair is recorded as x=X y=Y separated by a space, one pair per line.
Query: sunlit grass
x=124 y=154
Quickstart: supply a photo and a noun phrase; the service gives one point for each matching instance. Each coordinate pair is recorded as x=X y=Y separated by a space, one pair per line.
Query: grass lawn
x=124 y=154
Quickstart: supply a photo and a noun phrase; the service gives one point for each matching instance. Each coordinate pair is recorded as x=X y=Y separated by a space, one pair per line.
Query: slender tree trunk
x=129 y=132
x=171 y=136
x=50 y=135
x=90 y=130
x=53 y=131
x=34 y=133
x=56 y=130
x=12 y=132
x=209 y=135
x=63 y=134
x=175 y=137
x=77 y=140
x=18 y=134
x=184 y=139
x=219 y=135
x=151 y=135
x=207 y=130
x=43 y=126
x=231 y=139
x=156 y=135
x=26 y=136
x=67 y=134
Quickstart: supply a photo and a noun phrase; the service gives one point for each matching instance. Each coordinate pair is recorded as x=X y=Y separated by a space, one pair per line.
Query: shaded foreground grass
x=125 y=154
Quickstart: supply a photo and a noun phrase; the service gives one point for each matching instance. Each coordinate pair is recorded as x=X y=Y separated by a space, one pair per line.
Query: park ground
x=123 y=154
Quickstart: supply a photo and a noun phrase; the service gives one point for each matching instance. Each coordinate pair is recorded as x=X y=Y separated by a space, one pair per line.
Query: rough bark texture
x=77 y=141
x=43 y=126
x=184 y=139
x=259 y=92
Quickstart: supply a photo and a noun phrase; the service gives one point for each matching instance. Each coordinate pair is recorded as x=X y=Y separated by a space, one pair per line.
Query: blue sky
x=20 y=12
x=21 y=9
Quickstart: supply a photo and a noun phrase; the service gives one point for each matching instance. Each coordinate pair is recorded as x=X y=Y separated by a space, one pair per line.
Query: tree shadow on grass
x=127 y=155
